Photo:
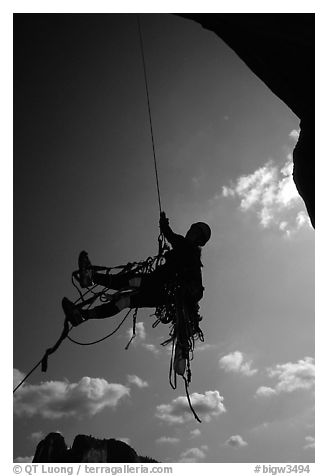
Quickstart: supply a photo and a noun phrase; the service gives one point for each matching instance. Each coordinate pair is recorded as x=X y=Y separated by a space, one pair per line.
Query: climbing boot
x=85 y=270
x=72 y=312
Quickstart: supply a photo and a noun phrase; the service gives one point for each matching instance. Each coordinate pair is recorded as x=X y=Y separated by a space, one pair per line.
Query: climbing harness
x=178 y=309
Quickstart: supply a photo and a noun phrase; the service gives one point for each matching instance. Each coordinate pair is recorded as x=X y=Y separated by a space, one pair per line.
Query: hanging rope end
x=189 y=401
x=128 y=344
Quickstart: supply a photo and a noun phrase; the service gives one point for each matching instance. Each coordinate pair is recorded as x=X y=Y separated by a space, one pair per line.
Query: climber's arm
x=165 y=228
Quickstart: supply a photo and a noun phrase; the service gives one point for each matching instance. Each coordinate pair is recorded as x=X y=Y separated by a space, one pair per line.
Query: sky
x=84 y=179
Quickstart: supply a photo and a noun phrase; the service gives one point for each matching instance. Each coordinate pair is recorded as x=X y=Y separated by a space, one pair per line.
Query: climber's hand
x=163 y=221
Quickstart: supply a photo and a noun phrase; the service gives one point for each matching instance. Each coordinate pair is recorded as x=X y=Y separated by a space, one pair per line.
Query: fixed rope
x=66 y=330
x=149 y=111
x=27 y=376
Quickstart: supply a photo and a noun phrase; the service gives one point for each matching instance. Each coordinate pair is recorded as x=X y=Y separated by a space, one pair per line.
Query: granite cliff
x=279 y=49
x=86 y=449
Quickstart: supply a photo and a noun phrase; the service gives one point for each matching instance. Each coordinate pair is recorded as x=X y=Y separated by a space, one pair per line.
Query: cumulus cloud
x=36 y=436
x=135 y=380
x=265 y=391
x=193 y=455
x=270 y=193
x=24 y=459
x=151 y=347
x=140 y=332
x=302 y=219
x=235 y=362
x=294 y=134
x=201 y=347
x=125 y=440
x=261 y=427
x=207 y=406
x=167 y=439
x=140 y=338
x=18 y=377
x=57 y=399
x=194 y=433
x=236 y=441
x=294 y=376
x=290 y=377
x=310 y=443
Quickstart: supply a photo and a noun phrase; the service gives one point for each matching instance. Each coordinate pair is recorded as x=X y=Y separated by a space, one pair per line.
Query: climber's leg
x=76 y=315
x=72 y=312
x=88 y=276
x=109 y=309
x=142 y=294
x=118 y=281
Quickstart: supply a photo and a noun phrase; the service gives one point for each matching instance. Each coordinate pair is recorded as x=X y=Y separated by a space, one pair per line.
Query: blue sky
x=85 y=180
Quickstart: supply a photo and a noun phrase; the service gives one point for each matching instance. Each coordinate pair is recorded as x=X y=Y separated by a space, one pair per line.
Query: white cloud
x=235 y=362
x=198 y=180
x=207 y=406
x=151 y=347
x=265 y=391
x=18 y=377
x=56 y=399
x=24 y=459
x=194 y=433
x=125 y=440
x=200 y=347
x=294 y=134
x=261 y=427
x=310 y=443
x=140 y=332
x=135 y=380
x=283 y=225
x=294 y=376
x=290 y=377
x=140 y=338
x=36 y=436
x=193 y=455
x=167 y=439
x=227 y=192
x=302 y=219
x=270 y=193
x=236 y=441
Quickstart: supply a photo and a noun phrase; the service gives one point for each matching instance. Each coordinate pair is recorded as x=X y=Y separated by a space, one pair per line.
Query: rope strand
x=149 y=111
x=103 y=338
x=27 y=376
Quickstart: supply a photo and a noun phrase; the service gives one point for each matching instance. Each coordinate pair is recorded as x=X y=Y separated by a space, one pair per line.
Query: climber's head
x=199 y=233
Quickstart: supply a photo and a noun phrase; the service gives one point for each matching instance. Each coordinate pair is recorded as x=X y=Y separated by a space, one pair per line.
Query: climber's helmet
x=199 y=233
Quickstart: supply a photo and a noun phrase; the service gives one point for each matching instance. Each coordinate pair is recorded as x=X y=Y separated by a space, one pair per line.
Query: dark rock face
x=279 y=49
x=52 y=449
x=86 y=449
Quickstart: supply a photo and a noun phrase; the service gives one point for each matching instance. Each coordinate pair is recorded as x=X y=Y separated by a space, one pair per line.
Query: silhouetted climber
x=171 y=282
x=182 y=263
